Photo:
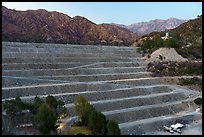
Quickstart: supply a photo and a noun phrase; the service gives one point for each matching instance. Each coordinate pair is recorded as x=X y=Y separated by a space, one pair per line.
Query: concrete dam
x=113 y=79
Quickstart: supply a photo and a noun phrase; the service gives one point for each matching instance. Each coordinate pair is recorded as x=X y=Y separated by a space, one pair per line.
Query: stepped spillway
x=113 y=79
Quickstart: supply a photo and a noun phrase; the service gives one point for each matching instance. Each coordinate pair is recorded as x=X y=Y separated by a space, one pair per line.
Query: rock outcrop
x=166 y=54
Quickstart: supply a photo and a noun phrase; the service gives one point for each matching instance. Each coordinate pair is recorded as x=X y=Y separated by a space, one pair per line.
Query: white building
x=166 y=36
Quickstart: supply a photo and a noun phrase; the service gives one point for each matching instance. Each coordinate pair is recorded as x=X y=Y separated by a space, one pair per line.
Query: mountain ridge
x=146 y=27
x=55 y=27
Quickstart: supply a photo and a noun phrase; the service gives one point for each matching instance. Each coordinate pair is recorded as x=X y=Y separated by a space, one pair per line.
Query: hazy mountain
x=153 y=25
x=54 y=27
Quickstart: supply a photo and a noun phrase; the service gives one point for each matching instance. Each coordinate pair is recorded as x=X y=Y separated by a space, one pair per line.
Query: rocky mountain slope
x=153 y=25
x=54 y=27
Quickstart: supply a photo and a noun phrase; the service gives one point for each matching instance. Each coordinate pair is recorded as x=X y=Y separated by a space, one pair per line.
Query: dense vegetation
x=186 y=39
x=94 y=120
x=175 y=68
x=149 y=45
x=44 y=114
x=191 y=81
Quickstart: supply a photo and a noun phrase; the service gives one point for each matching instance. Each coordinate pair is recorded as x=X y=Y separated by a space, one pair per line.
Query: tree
x=36 y=104
x=14 y=108
x=82 y=106
x=61 y=109
x=157 y=42
x=97 y=122
x=45 y=120
x=112 y=128
x=172 y=42
x=85 y=117
x=51 y=101
x=56 y=105
x=146 y=45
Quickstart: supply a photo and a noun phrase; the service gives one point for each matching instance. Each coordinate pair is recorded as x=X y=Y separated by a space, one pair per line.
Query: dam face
x=113 y=79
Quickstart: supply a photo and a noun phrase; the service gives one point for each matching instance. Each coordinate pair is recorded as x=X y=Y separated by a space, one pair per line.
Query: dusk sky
x=116 y=12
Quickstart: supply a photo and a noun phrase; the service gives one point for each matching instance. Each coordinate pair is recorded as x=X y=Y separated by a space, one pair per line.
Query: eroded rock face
x=54 y=27
x=166 y=54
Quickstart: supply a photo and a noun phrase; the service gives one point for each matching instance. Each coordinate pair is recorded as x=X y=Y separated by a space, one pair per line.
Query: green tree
x=146 y=45
x=172 y=42
x=51 y=101
x=45 y=120
x=14 y=109
x=85 y=117
x=36 y=104
x=112 y=128
x=82 y=106
x=61 y=109
x=56 y=105
x=157 y=42
x=97 y=122
x=13 y=106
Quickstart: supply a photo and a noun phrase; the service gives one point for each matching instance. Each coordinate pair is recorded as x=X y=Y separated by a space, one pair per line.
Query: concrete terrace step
x=67 y=60
x=69 y=49
x=22 y=66
x=46 y=89
x=131 y=103
x=39 y=82
x=98 y=77
x=62 y=46
x=69 y=97
x=71 y=71
x=10 y=81
x=66 y=54
x=17 y=66
x=69 y=86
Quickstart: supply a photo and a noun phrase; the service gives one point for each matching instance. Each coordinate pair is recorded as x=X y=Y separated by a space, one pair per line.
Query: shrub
x=191 y=81
x=112 y=128
x=175 y=68
x=198 y=101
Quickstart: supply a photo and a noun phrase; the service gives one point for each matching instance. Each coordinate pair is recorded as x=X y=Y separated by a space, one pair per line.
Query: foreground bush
x=44 y=114
x=198 y=101
x=113 y=128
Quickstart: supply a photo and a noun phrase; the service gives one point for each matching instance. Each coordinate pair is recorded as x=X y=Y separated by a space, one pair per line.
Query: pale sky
x=116 y=12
